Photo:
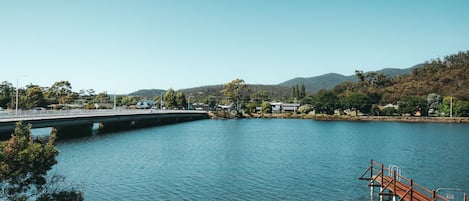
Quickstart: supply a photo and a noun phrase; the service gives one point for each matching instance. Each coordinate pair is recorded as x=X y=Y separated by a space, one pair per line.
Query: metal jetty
x=393 y=184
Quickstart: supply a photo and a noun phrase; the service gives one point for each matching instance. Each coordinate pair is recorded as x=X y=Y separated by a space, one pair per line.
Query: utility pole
x=17 y=88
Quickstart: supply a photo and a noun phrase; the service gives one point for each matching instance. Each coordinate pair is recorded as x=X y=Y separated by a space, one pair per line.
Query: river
x=261 y=159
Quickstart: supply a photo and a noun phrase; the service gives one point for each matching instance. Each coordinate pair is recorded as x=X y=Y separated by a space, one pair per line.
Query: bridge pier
x=73 y=131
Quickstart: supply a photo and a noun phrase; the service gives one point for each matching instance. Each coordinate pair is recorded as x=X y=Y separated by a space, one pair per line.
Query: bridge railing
x=11 y=114
x=380 y=172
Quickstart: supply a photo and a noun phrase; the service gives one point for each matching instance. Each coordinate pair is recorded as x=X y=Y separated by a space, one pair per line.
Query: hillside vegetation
x=330 y=80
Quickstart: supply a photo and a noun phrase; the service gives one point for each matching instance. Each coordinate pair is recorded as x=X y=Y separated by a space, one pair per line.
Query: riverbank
x=349 y=118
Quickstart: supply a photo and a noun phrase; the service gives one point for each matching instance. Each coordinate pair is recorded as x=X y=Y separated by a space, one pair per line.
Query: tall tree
x=434 y=101
x=302 y=93
x=181 y=100
x=170 y=99
x=61 y=91
x=235 y=92
x=35 y=97
x=6 y=91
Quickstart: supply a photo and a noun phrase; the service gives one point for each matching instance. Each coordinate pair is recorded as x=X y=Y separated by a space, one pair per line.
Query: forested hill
x=148 y=92
x=329 y=81
x=447 y=77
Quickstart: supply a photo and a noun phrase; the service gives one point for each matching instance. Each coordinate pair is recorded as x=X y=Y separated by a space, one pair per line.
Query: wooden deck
x=392 y=183
x=402 y=190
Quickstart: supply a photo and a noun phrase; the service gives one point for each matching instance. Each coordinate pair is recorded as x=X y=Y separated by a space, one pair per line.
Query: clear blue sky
x=122 y=46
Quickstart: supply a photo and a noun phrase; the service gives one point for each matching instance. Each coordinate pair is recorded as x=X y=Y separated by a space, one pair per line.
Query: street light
x=17 y=89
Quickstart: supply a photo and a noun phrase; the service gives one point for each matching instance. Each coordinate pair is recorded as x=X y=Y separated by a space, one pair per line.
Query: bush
x=305 y=109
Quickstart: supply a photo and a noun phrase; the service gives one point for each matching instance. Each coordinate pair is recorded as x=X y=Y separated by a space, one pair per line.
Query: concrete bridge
x=80 y=122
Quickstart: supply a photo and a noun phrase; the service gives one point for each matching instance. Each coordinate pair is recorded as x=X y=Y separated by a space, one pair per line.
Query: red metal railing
x=395 y=178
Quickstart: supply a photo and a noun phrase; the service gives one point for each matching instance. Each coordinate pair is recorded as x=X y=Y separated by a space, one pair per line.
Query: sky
x=120 y=46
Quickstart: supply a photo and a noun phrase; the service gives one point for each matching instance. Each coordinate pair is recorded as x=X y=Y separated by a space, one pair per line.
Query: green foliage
x=251 y=107
x=25 y=162
x=412 y=105
x=235 y=91
x=461 y=108
x=266 y=107
x=129 y=100
x=305 y=109
x=181 y=101
x=325 y=102
x=61 y=92
x=298 y=92
x=102 y=98
x=170 y=99
x=6 y=91
x=389 y=111
x=35 y=97
x=357 y=102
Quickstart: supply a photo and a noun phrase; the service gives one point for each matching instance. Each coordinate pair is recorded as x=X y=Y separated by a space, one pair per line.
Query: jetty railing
x=397 y=185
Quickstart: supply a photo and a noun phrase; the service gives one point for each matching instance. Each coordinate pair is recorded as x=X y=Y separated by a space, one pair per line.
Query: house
x=290 y=107
x=145 y=104
x=278 y=107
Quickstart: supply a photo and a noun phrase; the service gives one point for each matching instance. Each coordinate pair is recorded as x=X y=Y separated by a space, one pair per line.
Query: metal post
x=394 y=190
x=382 y=182
x=411 y=189
x=372 y=188
x=17 y=88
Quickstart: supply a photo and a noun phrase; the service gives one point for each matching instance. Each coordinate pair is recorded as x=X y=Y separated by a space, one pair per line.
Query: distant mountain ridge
x=330 y=80
x=312 y=84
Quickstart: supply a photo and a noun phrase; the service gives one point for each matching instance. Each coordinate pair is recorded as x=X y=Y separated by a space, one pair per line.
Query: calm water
x=261 y=159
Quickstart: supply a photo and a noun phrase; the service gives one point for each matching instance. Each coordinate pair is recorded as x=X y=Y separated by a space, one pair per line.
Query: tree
x=357 y=102
x=170 y=99
x=35 y=97
x=325 y=102
x=302 y=92
x=61 y=91
x=461 y=108
x=129 y=100
x=266 y=107
x=102 y=98
x=412 y=105
x=235 y=92
x=24 y=163
x=305 y=109
x=360 y=76
x=6 y=91
x=434 y=101
x=181 y=100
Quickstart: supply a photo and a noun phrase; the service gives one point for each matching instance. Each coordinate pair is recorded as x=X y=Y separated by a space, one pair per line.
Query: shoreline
x=414 y=119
